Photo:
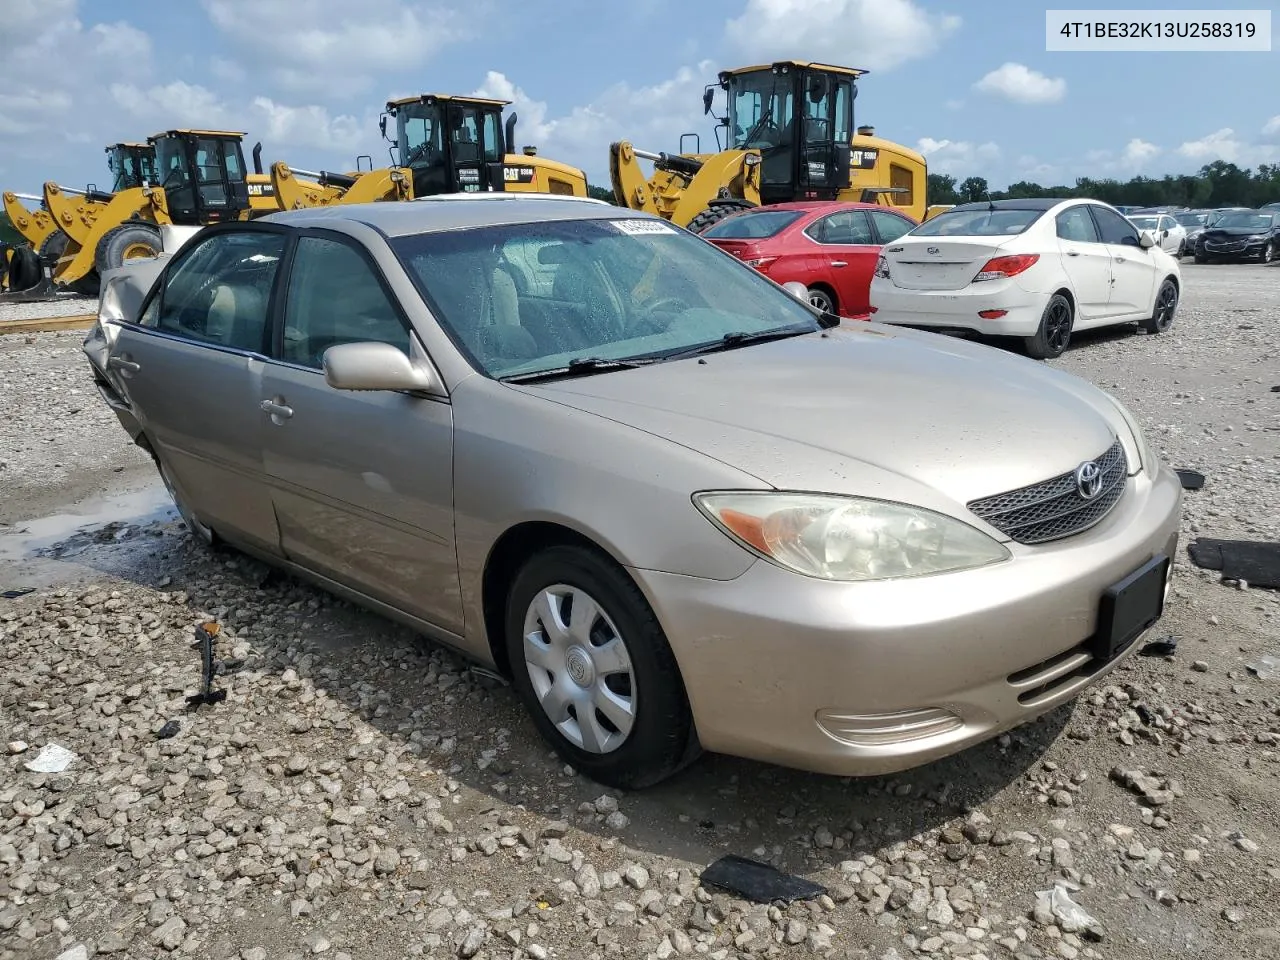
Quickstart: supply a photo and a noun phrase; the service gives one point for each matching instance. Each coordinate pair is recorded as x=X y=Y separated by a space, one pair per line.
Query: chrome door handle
x=119 y=363
x=1120 y=260
x=1073 y=253
x=276 y=409
x=839 y=263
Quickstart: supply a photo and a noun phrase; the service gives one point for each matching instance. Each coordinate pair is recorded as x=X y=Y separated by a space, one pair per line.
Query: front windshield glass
x=171 y=163
x=760 y=110
x=421 y=134
x=526 y=298
x=1192 y=219
x=982 y=222
x=752 y=226
x=1245 y=221
x=1145 y=223
x=132 y=168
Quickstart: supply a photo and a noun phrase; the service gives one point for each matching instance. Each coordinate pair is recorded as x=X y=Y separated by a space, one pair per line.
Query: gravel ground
x=67 y=305
x=362 y=794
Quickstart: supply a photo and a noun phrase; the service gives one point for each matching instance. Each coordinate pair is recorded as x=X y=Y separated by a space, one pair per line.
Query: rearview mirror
x=708 y=96
x=372 y=366
x=1146 y=240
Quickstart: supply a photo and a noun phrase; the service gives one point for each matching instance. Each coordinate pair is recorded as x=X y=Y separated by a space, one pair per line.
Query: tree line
x=1217 y=184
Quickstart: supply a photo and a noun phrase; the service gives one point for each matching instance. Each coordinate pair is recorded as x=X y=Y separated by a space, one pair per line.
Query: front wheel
x=1269 y=253
x=1054 y=333
x=1166 y=306
x=593 y=667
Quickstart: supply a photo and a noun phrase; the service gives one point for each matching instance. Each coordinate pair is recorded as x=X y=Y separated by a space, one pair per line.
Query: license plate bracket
x=1129 y=607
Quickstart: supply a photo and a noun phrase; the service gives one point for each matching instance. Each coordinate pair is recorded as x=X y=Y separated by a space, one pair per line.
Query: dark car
x=1244 y=235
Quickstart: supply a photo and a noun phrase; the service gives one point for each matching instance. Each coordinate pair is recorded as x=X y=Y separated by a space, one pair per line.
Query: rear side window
x=1114 y=228
x=889 y=226
x=1076 y=224
x=752 y=226
x=220 y=292
x=978 y=223
x=845 y=227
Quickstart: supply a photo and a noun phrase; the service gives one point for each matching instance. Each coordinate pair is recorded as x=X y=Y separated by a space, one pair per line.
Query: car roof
x=454 y=212
x=818 y=205
x=1026 y=203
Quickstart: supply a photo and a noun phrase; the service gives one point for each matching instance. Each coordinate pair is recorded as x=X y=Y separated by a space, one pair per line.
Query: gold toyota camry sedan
x=680 y=508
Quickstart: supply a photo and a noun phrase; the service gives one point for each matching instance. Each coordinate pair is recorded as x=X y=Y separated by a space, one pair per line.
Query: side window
x=889 y=226
x=335 y=297
x=220 y=292
x=491 y=138
x=846 y=227
x=1075 y=224
x=1114 y=228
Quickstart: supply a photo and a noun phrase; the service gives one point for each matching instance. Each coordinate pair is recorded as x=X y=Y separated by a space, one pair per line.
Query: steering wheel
x=649 y=322
x=416 y=153
x=770 y=135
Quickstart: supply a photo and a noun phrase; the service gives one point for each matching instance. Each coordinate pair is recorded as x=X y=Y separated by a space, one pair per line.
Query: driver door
x=476 y=148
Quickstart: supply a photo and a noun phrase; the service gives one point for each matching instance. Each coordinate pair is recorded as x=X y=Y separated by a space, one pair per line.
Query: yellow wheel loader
x=199 y=178
x=442 y=144
x=789 y=135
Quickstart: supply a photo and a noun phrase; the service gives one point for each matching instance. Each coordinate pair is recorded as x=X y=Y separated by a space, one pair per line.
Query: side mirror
x=797 y=290
x=382 y=126
x=817 y=88
x=372 y=366
x=1146 y=240
x=708 y=96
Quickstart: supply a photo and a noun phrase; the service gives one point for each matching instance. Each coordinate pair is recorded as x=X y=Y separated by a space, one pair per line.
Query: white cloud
x=1138 y=152
x=875 y=34
x=1272 y=126
x=336 y=44
x=173 y=104
x=1220 y=145
x=1021 y=84
x=958 y=157
x=531 y=114
x=310 y=127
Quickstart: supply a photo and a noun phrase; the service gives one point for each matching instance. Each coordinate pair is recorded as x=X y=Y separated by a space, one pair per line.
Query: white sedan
x=1169 y=233
x=1033 y=269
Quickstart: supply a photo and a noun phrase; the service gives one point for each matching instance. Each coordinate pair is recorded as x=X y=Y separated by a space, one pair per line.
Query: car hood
x=866 y=409
x=1233 y=233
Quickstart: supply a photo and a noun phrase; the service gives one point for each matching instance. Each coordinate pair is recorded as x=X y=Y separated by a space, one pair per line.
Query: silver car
x=679 y=508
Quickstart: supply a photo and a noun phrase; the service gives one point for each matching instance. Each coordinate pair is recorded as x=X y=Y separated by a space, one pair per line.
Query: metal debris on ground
x=1264 y=668
x=205 y=634
x=758 y=881
x=1056 y=906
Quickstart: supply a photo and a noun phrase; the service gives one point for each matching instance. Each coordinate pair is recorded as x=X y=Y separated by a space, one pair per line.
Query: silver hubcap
x=820 y=300
x=580 y=669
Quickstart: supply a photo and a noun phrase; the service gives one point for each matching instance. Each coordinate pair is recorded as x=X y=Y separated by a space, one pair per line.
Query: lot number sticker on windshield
x=642 y=227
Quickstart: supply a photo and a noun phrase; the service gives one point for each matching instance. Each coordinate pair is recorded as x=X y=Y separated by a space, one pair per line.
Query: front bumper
x=958 y=309
x=873 y=678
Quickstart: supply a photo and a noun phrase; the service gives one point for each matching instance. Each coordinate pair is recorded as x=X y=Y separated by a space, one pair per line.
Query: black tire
x=1269 y=253
x=824 y=300
x=24 y=269
x=123 y=242
x=661 y=739
x=1166 y=307
x=1201 y=259
x=716 y=211
x=52 y=247
x=1053 y=336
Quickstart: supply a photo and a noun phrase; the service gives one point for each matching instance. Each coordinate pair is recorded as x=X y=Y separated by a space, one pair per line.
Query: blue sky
x=968 y=82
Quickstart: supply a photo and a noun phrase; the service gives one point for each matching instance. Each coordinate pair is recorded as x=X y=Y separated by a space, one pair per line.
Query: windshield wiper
x=735 y=339
x=579 y=366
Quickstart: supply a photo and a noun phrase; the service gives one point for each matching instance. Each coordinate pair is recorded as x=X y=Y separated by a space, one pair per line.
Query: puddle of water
x=111 y=518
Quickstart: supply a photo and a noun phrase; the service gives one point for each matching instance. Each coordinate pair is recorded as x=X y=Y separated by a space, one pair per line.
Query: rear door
x=362 y=482
x=191 y=368
x=846 y=254
x=1133 y=274
x=1086 y=262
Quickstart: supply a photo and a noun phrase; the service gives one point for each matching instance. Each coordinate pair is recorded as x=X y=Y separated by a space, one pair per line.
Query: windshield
x=1245 y=221
x=420 y=132
x=752 y=226
x=1192 y=219
x=977 y=223
x=760 y=110
x=171 y=163
x=1145 y=223
x=525 y=298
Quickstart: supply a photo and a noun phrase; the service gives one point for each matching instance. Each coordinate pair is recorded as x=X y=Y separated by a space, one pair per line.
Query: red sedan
x=828 y=245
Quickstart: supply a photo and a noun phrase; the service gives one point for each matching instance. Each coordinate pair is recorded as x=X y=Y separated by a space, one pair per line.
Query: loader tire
x=717 y=211
x=129 y=241
x=24 y=269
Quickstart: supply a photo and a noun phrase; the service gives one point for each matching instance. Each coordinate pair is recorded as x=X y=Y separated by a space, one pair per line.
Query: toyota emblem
x=1089 y=480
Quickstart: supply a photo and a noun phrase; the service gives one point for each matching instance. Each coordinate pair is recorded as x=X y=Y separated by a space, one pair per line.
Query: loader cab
x=203 y=175
x=132 y=165
x=799 y=115
x=451 y=144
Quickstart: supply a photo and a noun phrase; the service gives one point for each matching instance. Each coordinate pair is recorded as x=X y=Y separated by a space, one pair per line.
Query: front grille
x=1054 y=508
x=1225 y=247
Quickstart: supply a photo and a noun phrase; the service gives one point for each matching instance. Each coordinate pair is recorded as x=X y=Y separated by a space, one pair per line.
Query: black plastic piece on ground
x=1160 y=648
x=1191 y=479
x=1255 y=562
x=20 y=592
x=759 y=882
x=169 y=730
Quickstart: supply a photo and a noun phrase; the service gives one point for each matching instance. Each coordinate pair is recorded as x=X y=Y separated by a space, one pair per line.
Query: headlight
x=1147 y=460
x=848 y=538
